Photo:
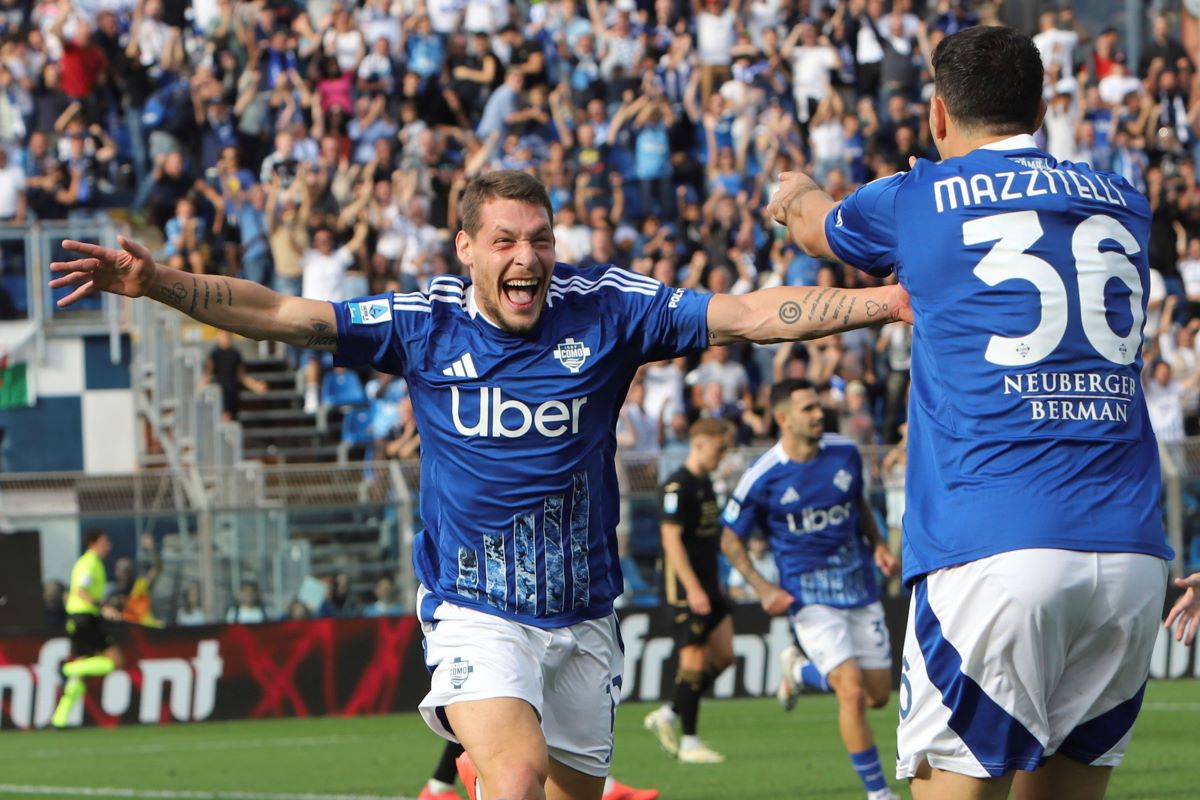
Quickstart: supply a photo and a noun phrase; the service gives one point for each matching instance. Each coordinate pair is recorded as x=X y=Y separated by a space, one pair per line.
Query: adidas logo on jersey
x=813 y=520
x=463 y=367
x=511 y=419
x=790 y=496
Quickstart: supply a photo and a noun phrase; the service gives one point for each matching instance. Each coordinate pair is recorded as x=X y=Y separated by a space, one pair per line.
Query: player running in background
x=691 y=538
x=517 y=376
x=806 y=496
x=1033 y=538
x=1186 y=610
x=93 y=653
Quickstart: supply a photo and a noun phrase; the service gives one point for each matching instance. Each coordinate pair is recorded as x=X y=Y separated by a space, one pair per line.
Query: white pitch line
x=181 y=747
x=176 y=794
x=1171 y=706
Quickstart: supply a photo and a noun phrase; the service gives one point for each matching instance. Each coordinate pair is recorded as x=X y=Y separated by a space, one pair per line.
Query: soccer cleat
x=620 y=791
x=883 y=794
x=466 y=774
x=661 y=722
x=700 y=754
x=426 y=794
x=789 y=688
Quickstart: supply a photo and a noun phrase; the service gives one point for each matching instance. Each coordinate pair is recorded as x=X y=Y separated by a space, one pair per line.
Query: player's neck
x=800 y=449
x=959 y=143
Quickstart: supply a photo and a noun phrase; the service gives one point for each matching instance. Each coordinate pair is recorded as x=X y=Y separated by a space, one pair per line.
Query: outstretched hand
x=792 y=188
x=129 y=271
x=1186 y=610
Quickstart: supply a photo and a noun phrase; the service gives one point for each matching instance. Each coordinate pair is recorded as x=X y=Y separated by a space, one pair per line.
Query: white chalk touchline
x=176 y=794
x=182 y=746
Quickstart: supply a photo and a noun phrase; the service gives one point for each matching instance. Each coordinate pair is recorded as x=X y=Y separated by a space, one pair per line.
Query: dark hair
x=782 y=392
x=507 y=184
x=93 y=535
x=990 y=78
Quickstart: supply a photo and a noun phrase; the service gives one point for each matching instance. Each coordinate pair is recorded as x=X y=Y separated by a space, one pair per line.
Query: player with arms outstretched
x=1033 y=539
x=806 y=496
x=517 y=376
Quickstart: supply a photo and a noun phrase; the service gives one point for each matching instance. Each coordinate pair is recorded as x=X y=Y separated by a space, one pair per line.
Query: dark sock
x=687 y=700
x=446 y=771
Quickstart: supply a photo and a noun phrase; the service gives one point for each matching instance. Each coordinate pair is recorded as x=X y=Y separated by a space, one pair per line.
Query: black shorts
x=88 y=635
x=694 y=629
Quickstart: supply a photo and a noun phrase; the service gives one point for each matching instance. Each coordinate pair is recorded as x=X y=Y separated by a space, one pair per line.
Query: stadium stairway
x=275 y=427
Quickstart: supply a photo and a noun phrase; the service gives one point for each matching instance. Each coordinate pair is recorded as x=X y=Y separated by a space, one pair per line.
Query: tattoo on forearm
x=206 y=297
x=837 y=310
x=195 y=294
x=849 y=310
x=217 y=294
x=829 y=302
x=812 y=309
x=172 y=295
x=875 y=309
x=789 y=312
x=321 y=336
x=229 y=292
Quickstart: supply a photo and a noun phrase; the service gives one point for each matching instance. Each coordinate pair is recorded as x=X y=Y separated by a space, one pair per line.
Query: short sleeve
x=670 y=509
x=372 y=330
x=664 y=322
x=742 y=510
x=861 y=230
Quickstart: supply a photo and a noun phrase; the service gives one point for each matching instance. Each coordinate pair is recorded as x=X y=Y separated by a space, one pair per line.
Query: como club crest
x=572 y=354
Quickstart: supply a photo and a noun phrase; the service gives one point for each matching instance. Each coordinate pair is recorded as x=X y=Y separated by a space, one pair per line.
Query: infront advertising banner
x=348 y=667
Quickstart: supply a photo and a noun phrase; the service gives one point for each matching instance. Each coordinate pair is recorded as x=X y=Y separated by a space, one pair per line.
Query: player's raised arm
x=241 y=306
x=790 y=313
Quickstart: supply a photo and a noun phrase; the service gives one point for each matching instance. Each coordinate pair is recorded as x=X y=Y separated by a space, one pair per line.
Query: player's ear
x=1040 y=115
x=462 y=248
x=938 y=119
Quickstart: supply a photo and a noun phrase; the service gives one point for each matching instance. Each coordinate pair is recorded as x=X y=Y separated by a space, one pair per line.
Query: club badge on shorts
x=460 y=670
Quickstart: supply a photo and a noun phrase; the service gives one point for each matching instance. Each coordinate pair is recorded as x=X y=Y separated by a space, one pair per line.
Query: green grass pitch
x=771 y=756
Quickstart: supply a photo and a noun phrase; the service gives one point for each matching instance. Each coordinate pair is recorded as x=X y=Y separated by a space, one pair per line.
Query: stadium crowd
x=321 y=147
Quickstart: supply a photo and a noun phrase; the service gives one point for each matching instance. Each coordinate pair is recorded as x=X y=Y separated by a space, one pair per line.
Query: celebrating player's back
x=1032 y=535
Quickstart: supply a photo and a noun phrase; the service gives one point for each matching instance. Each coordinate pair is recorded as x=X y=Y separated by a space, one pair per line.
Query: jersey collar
x=473 y=307
x=1022 y=141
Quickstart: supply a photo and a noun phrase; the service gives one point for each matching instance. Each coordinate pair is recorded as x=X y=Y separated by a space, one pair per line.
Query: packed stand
x=321 y=148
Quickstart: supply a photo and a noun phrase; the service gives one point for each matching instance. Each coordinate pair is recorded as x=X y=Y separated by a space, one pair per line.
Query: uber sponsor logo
x=813 y=520
x=510 y=419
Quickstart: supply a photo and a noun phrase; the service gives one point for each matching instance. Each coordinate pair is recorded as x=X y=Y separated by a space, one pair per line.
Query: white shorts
x=571 y=676
x=1013 y=658
x=831 y=636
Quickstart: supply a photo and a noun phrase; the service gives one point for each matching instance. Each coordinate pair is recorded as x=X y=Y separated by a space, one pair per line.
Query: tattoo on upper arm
x=321 y=336
x=712 y=336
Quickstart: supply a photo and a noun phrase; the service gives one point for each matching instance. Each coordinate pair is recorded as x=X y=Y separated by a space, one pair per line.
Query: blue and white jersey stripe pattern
x=518 y=487
x=809 y=512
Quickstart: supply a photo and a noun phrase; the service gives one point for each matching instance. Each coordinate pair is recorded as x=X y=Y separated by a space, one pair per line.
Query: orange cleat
x=466 y=774
x=620 y=791
x=426 y=794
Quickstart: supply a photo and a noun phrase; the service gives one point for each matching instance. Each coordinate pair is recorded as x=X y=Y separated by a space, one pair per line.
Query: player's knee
x=852 y=694
x=720 y=662
x=518 y=781
x=878 y=699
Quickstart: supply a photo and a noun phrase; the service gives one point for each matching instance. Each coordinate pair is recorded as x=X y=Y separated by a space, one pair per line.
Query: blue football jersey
x=1027 y=424
x=809 y=512
x=518 y=483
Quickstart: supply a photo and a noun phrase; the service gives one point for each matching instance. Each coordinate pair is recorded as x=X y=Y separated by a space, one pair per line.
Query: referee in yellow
x=93 y=653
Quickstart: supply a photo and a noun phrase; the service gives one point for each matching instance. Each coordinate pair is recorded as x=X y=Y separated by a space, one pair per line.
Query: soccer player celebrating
x=806 y=495
x=691 y=536
x=92 y=650
x=516 y=376
x=1033 y=539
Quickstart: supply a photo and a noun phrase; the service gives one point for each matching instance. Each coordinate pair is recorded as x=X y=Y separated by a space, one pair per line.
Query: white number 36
x=1014 y=233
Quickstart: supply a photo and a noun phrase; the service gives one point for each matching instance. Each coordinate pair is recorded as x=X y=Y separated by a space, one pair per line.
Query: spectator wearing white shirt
x=812 y=60
x=324 y=278
x=716 y=367
x=12 y=191
x=715 y=36
x=1056 y=44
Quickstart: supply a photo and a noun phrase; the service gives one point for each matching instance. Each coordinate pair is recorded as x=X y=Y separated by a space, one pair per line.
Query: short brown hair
x=710 y=426
x=507 y=184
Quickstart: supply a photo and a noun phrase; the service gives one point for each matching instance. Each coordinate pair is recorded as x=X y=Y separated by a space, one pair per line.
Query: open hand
x=129 y=271
x=1186 y=610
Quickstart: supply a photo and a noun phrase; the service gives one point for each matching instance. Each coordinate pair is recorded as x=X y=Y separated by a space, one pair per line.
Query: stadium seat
x=342 y=387
x=356 y=432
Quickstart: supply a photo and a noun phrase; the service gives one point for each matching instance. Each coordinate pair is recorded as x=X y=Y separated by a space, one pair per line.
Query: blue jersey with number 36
x=1027 y=424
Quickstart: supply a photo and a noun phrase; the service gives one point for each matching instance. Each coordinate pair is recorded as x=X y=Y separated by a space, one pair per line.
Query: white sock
x=796 y=677
x=438 y=787
x=688 y=742
x=608 y=784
